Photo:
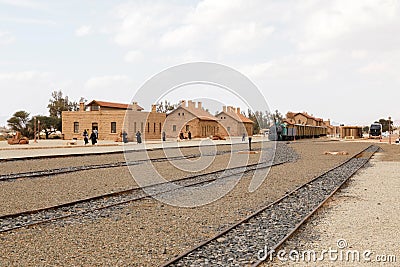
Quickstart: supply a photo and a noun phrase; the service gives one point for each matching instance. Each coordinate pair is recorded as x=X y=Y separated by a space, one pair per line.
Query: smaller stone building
x=189 y=117
x=351 y=132
x=303 y=118
x=234 y=122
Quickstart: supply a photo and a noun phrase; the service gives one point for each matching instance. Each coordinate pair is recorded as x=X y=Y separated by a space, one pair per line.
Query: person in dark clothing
x=181 y=135
x=139 y=137
x=47 y=133
x=243 y=137
x=190 y=135
x=85 y=137
x=125 y=137
x=163 y=136
x=93 y=137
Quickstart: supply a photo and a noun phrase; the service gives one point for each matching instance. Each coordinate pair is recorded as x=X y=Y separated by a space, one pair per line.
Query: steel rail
x=257 y=212
x=64 y=170
x=128 y=191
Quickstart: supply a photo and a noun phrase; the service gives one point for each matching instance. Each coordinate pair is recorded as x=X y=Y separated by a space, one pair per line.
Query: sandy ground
x=361 y=219
x=60 y=147
x=148 y=232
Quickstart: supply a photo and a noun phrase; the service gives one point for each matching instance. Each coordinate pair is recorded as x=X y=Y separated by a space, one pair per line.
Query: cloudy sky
x=334 y=59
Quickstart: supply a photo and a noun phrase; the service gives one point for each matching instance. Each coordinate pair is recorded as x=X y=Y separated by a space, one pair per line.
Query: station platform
x=60 y=147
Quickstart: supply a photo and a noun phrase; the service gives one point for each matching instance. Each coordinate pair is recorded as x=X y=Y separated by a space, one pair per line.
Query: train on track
x=287 y=132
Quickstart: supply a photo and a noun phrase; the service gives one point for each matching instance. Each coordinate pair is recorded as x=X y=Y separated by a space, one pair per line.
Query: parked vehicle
x=375 y=131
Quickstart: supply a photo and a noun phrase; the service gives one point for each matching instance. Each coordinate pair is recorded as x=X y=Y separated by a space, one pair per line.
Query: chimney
x=238 y=110
x=81 y=106
x=183 y=103
x=135 y=106
x=191 y=104
x=224 y=108
x=199 y=105
x=230 y=109
x=153 y=108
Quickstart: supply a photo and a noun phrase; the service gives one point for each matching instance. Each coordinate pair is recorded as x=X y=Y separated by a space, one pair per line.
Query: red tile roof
x=238 y=117
x=112 y=105
x=199 y=113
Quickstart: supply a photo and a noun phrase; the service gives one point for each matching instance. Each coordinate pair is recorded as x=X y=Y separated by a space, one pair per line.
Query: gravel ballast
x=148 y=232
x=361 y=217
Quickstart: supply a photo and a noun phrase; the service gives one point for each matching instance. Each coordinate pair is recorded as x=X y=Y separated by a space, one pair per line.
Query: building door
x=95 y=126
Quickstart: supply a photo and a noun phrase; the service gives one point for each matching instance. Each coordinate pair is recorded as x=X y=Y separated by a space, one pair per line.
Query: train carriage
x=296 y=131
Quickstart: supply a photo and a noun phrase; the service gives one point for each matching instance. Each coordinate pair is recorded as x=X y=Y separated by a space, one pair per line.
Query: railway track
x=255 y=238
x=102 y=202
x=2 y=160
x=64 y=170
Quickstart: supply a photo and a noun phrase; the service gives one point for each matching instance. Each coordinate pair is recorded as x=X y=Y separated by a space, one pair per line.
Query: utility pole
x=390 y=141
x=34 y=131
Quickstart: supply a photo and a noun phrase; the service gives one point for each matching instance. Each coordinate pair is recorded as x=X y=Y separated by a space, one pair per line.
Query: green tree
x=276 y=117
x=365 y=129
x=46 y=122
x=385 y=125
x=58 y=103
x=20 y=122
x=253 y=116
x=165 y=106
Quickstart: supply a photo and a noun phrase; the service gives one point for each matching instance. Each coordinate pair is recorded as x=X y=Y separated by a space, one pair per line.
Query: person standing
x=163 y=136
x=96 y=132
x=139 y=137
x=93 y=137
x=190 y=135
x=125 y=137
x=243 y=137
x=85 y=137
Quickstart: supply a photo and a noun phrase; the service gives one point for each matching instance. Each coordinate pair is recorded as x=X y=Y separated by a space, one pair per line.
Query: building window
x=76 y=127
x=134 y=127
x=183 y=114
x=154 y=127
x=187 y=128
x=141 y=127
x=229 y=129
x=148 y=127
x=95 y=108
x=174 y=128
x=179 y=114
x=113 y=127
x=160 y=127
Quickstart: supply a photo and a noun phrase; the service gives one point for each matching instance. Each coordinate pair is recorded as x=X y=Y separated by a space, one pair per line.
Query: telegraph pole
x=390 y=141
x=34 y=131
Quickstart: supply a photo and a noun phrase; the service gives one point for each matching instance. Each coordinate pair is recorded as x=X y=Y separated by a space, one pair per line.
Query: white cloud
x=359 y=54
x=334 y=21
x=108 y=81
x=6 y=38
x=244 y=37
x=23 y=3
x=210 y=25
x=24 y=76
x=83 y=30
x=133 y=56
x=374 y=68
